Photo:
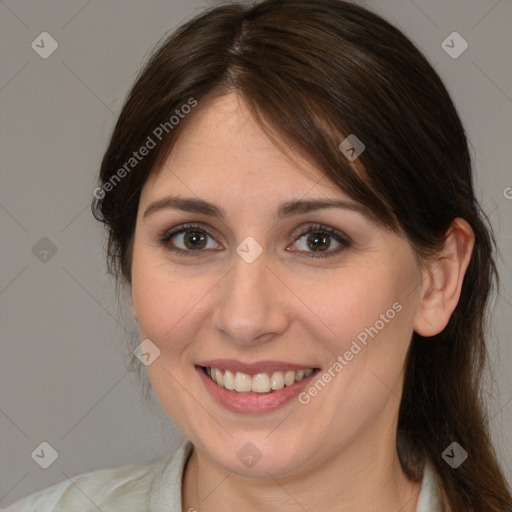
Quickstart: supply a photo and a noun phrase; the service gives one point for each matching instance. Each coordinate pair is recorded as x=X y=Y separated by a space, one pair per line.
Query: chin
x=258 y=456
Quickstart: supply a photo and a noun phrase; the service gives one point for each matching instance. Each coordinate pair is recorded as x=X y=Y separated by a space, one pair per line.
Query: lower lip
x=253 y=402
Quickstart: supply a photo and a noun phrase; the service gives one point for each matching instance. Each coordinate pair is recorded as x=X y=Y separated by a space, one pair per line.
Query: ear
x=442 y=280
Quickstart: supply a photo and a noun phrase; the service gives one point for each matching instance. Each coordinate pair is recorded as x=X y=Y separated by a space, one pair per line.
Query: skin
x=337 y=453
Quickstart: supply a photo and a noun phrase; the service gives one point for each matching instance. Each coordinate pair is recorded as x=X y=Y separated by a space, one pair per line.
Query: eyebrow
x=287 y=209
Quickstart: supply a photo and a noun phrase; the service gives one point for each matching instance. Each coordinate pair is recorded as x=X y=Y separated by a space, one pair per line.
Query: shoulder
x=137 y=488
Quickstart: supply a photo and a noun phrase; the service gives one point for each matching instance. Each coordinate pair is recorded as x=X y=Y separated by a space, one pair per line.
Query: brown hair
x=313 y=72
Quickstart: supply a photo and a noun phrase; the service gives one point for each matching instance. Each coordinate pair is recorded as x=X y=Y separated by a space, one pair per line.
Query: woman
x=289 y=199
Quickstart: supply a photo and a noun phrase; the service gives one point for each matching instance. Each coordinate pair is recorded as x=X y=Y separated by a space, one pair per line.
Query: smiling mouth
x=262 y=383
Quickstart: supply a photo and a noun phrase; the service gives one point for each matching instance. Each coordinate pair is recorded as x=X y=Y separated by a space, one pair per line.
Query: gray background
x=63 y=371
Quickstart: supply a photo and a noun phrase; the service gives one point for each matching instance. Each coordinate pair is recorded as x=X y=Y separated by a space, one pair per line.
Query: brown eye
x=195 y=240
x=189 y=239
x=319 y=241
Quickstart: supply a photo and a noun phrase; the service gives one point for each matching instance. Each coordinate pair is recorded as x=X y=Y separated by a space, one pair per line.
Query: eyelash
x=342 y=239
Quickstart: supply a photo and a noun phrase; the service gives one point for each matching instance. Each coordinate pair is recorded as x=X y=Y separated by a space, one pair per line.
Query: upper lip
x=253 y=368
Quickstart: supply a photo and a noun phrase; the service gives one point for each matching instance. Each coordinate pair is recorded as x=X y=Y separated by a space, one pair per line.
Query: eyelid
x=164 y=238
x=315 y=227
x=344 y=240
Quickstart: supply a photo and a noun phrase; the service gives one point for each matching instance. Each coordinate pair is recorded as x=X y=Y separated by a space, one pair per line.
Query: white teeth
x=259 y=383
x=289 y=378
x=229 y=380
x=243 y=382
x=277 y=381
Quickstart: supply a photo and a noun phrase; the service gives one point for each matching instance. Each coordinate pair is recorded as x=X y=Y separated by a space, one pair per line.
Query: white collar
x=430 y=498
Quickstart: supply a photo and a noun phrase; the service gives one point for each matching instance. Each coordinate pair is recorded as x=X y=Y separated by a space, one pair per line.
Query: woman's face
x=245 y=263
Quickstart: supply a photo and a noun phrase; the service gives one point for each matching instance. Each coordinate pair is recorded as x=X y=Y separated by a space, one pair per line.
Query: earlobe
x=442 y=280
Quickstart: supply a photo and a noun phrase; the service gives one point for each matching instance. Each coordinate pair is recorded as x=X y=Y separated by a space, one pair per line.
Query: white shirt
x=151 y=486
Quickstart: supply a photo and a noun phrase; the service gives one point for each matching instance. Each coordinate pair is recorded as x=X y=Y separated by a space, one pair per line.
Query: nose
x=251 y=305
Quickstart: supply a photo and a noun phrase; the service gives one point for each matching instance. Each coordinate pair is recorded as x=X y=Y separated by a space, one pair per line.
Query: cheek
x=360 y=305
x=367 y=319
x=166 y=304
x=170 y=309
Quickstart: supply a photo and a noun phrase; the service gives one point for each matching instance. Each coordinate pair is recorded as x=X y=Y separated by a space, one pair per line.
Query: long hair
x=314 y=72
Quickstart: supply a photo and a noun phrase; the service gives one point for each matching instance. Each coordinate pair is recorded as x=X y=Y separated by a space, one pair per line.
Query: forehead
x=223 y=147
